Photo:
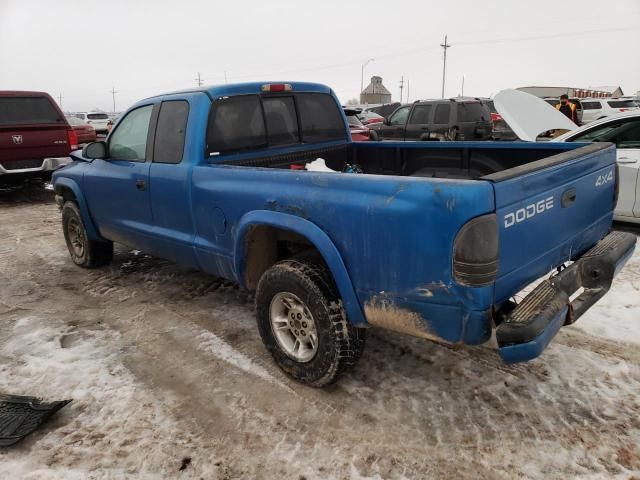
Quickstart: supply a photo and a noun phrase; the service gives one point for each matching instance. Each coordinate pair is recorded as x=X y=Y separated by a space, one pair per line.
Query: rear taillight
x=72 y=139
x=475 y=252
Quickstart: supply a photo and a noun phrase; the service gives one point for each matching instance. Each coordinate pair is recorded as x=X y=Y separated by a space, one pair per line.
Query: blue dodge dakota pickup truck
x=431 y=239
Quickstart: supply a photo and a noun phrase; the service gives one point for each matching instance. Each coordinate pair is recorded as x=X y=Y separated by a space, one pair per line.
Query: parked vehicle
x=359 y=132
x=624 y=131
x=500 y=130
x=367 y=117
x=84 y=132
x=35 y=138
x=597 y=108
x=383 y=110
x=212 y=179
x=454 y=119
x=553 y=101
x=97 y=120
x=529 y=116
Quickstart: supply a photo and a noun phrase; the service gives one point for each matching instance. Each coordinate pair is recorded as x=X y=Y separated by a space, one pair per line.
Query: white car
x=597 y=108
x=530 y=116
x=624 y=130
x=97 y=120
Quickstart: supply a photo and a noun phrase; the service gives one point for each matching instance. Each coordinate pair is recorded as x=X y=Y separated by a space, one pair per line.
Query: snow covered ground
x=165 y=364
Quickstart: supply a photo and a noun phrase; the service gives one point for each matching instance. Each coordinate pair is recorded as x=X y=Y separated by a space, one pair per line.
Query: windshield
x=97 y=116
x=354 y=121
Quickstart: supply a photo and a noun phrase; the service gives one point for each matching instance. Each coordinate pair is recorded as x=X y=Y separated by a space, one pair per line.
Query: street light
x=364 y=65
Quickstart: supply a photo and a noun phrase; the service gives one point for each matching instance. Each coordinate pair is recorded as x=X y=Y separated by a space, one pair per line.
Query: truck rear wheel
x=303 y=324
x=84 y=251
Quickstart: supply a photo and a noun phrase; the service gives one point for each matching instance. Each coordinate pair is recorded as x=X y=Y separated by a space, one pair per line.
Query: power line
x=544 y=37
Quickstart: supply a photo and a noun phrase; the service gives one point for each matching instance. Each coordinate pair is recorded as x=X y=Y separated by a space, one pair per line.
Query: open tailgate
x=551 y=211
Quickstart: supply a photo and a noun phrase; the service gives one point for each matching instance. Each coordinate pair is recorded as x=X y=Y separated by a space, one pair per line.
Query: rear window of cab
x=247 y=122
x=28 y=111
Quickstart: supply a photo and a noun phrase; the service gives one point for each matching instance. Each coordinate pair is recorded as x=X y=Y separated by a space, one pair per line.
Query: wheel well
x=267 y=245
x=66 y=193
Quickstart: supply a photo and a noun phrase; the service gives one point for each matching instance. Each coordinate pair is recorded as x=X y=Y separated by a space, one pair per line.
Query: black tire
x=84 y=252
x=339 y=345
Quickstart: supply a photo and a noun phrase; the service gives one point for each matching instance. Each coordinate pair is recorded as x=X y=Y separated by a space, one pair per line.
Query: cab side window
x=420 y=115
x=442 y=113
x=625 y=134
x=400 y=116
x=129 y=140
x=170 y=131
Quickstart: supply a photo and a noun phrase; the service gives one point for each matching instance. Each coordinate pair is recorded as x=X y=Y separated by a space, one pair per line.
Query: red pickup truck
x=35 y=137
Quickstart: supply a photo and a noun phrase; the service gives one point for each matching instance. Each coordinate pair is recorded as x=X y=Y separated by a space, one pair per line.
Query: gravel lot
x=166 y=364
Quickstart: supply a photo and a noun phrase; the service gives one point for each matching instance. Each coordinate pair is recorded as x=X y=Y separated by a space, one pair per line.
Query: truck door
x=169 y=186
x=441 y=123
x=117 y=187
x=394 y=129
x=418 y=124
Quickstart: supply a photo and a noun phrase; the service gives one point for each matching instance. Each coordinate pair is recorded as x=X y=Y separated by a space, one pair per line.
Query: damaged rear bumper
x=527 y=330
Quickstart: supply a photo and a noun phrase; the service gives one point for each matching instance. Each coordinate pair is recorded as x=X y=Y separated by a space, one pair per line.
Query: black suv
x=454 y=119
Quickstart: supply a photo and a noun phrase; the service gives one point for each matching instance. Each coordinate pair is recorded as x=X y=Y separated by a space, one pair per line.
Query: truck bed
x=460 y=160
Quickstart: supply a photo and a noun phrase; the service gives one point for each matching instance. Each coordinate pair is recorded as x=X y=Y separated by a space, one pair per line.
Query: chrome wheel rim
x=293 y=327
x=76 y=237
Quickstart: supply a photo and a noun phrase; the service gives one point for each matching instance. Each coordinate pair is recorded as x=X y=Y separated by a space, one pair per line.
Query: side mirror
x=95 y=150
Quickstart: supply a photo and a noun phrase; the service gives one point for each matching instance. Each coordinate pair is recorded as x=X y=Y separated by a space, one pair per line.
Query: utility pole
x=444 y=46
x=401 y=87
x=60 y=97
x=199 y=80
x=225 y=76
x=407 y=90
x=364 y=65
x=113 y=96
x=462 y=94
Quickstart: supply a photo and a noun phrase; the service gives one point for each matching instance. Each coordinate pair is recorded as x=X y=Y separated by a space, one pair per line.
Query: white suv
x=97 y=120
x=597 y=108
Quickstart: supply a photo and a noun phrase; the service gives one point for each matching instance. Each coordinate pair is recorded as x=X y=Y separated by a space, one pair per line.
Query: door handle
x=626 y=160
x=141 y=184
x=569 y=198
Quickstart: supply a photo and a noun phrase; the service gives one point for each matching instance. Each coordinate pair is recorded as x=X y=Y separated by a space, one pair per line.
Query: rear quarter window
x=591 y=105
x=471 y=112
x=621 y=103
x=28 y=111
x=170 y=131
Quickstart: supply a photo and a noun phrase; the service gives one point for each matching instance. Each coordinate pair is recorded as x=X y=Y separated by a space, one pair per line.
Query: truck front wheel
x=303 y=324
x=84 y=251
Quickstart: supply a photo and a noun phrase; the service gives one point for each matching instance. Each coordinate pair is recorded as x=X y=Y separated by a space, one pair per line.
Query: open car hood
x=529 y=116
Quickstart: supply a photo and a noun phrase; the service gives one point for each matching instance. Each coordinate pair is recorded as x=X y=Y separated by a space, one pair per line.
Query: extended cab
x=431 y=239
x=35 y=137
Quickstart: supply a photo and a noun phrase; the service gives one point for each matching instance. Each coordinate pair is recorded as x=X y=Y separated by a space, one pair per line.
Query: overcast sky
x=83 y=48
